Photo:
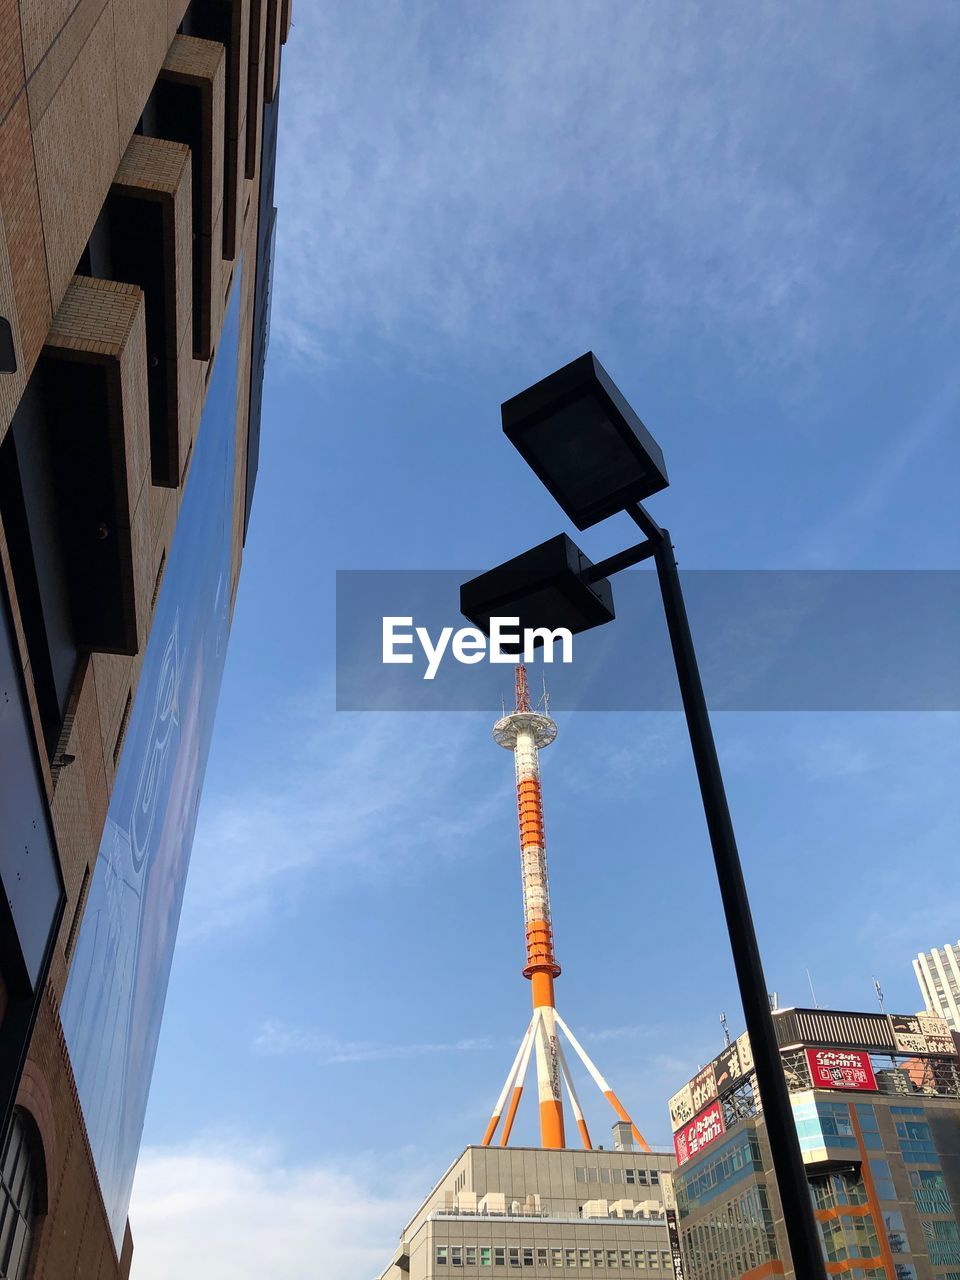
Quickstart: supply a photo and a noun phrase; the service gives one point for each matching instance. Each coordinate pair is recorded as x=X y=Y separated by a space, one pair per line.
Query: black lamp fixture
x=583 y=440
x=592 y=452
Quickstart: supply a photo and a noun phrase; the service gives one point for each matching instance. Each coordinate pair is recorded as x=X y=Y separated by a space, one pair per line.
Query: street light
x=596 y=457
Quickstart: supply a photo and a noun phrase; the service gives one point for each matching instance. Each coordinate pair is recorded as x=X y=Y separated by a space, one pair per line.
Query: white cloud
x=279 y=1039
x=340 y=806
x=233 y=1211
x=520 y=173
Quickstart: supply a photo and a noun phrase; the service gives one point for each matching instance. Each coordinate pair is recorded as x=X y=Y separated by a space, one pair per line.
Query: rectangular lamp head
x=543 y=587
x=583 y=440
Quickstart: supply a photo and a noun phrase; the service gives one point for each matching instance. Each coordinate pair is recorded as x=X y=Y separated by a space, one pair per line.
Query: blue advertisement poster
x=113 y=1004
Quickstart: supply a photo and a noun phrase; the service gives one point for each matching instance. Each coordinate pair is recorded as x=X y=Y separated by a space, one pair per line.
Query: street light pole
x=798 y=1215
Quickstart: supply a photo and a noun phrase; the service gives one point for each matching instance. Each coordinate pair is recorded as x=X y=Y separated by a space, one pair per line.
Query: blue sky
x=749 y=214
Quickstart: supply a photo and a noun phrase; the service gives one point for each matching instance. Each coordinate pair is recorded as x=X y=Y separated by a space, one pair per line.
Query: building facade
x=876 y=1100
x=498 y=1209
x=137 y=144
x=938 y=972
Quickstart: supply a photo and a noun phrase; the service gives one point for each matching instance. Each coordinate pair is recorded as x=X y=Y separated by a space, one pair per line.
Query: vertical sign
x=673 y=1227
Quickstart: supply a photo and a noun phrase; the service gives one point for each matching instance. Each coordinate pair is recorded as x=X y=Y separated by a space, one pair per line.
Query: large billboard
x=113 y=1004
x=922 y=1033
x=841 y=1069
x=699 y=1133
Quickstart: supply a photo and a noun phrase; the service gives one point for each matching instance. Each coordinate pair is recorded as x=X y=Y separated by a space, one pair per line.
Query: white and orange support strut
x=525 y=732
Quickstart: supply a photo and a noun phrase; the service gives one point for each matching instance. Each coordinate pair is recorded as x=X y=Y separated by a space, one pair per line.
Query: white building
x=938 y=972
x=564 y=1210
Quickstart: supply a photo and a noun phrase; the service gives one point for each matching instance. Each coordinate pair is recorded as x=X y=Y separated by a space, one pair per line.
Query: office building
x=938 y=972
x=876 y=1100
x=503 y=1209
x=137 y=149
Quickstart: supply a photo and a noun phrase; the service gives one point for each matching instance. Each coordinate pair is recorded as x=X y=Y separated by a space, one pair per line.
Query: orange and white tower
x=525 y=732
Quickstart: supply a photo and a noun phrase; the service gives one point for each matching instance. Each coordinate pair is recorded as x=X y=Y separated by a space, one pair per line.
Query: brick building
x=137 y=152
x=876 y=1102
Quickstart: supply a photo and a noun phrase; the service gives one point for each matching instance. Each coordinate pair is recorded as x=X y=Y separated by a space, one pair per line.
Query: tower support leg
x=601 y=1083
x=509 y=1084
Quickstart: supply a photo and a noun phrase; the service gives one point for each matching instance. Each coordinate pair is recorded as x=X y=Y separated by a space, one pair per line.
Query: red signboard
x=841 y=1069
x=699 y=1133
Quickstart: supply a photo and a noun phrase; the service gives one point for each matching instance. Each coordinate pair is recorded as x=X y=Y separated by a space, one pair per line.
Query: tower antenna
x=526 y=732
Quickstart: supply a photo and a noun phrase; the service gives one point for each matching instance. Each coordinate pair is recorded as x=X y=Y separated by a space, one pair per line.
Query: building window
x=556 y=1258
x=541 y=1257
x=514 y=1255
x=598 y=1257
x=943 y=1242
x=584 y=1259
x=882 y=1179
x=484 y=1255
x=570 y=1257
x=642 y=1177
x=639 y=1261
x=612 y=1254
x=581 y=1173
x=630 y=1176
x=456 y=1255
x=666 y=1262
x=869 y=1127
x=18 y=1195
x=471 y=1256
x=441 y=1255
x=528 y=1257
x=893 y=1225
x=654 y=1178
x=625 y=1259
x=930 y=1191
x=499 y=1257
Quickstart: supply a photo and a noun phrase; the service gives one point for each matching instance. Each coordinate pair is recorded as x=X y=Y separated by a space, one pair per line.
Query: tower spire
x=525 y=732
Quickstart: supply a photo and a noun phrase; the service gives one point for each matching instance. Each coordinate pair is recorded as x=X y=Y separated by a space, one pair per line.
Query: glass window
x=499 y=1256
x=612 y=1254
x=598 y=1257
x=593 y=1175
x=441 y=1255
x=17 y=1196
x=581 y=1173
x=514 y=1256
x=484 y=1255
x=617 y=1175
x=654 y=1178
x=528 y=1257
x=882 y=1179
x=638 y=1260
x=471 y=1256
x=642 y=1177
x=570 y=1257
x=625 y=1258
x=893 y=1225
x=652 y=1259
x=905 y=1271
x=930 y=1191
x=666 y=1262
x=584 y=1258
x=456 y=1255
x=541 y=1257
x=556 y=1257
x=630 y=1176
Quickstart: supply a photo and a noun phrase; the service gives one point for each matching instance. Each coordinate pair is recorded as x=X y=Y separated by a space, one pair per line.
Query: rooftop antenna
x=774 y=998
x=813 y=994
x=525 y=732
x=726 y=1031
x=879 y=990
